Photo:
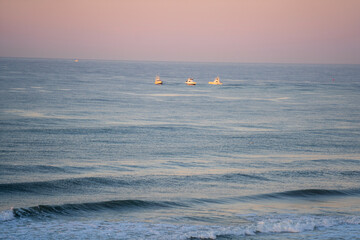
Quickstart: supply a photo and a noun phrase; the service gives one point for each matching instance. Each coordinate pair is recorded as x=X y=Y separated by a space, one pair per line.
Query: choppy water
x=95 y=150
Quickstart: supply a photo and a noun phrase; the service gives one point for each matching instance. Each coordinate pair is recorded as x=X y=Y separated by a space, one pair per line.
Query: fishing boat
x=158 y=81
x=216 y=81
x=190 y=81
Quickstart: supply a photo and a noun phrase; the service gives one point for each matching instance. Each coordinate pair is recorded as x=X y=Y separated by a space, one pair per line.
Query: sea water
x=95 y=150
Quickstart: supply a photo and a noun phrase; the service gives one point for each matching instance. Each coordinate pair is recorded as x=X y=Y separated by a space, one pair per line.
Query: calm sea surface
x=96 y=150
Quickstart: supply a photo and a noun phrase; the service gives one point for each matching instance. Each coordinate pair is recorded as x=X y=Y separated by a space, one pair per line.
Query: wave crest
x=72 y=209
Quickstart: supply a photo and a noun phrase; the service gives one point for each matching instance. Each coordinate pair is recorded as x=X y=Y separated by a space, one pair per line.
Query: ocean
x=95 y=150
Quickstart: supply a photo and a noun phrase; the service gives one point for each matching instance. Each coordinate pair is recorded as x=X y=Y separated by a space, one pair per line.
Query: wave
x=339 y=162
x=73 y=209
x=319 y=192
x=16 y=169
x=241 y=176
x=227 y=177
x=74 y=185
x=62 y=185
x=78 y=208
x=306 y=227
x=305 y=194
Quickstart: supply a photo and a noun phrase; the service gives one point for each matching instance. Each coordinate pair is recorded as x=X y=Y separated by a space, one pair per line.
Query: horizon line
x=177 y=61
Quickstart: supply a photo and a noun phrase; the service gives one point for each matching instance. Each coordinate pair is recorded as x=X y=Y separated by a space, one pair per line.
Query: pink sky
x=287 y=31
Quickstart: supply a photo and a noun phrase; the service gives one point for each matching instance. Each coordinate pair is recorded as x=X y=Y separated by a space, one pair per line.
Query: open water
x=95 y=150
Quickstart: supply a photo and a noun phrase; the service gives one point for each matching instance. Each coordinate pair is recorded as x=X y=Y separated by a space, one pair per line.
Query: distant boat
x=158 y=81
x=190 y=81
x=216 y=81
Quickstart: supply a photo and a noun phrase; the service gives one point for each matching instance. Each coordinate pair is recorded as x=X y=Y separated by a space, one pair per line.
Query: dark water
x=95 y=150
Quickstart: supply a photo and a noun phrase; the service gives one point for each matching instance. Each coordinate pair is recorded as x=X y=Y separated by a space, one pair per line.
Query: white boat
x=190 y=81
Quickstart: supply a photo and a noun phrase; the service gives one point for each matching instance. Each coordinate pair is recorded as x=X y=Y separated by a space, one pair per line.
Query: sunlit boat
x=158 y=81
x=190 y=81
x=216 y=81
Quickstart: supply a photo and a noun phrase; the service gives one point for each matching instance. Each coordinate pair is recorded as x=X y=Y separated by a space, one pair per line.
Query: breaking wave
x=269 y=224
x=117 y=205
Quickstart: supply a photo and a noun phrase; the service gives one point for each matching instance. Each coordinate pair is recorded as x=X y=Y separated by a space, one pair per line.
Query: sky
x=276 y=31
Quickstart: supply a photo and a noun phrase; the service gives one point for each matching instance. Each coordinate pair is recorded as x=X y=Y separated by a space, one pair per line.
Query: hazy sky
x=289 y=31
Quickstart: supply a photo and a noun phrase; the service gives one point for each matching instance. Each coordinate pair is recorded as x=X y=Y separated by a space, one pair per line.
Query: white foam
x=18 y=89
x=7 y=215
x=279 y=99
x=114 y=230
x=286 y=225
x=297 y=224
x=89 y=229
